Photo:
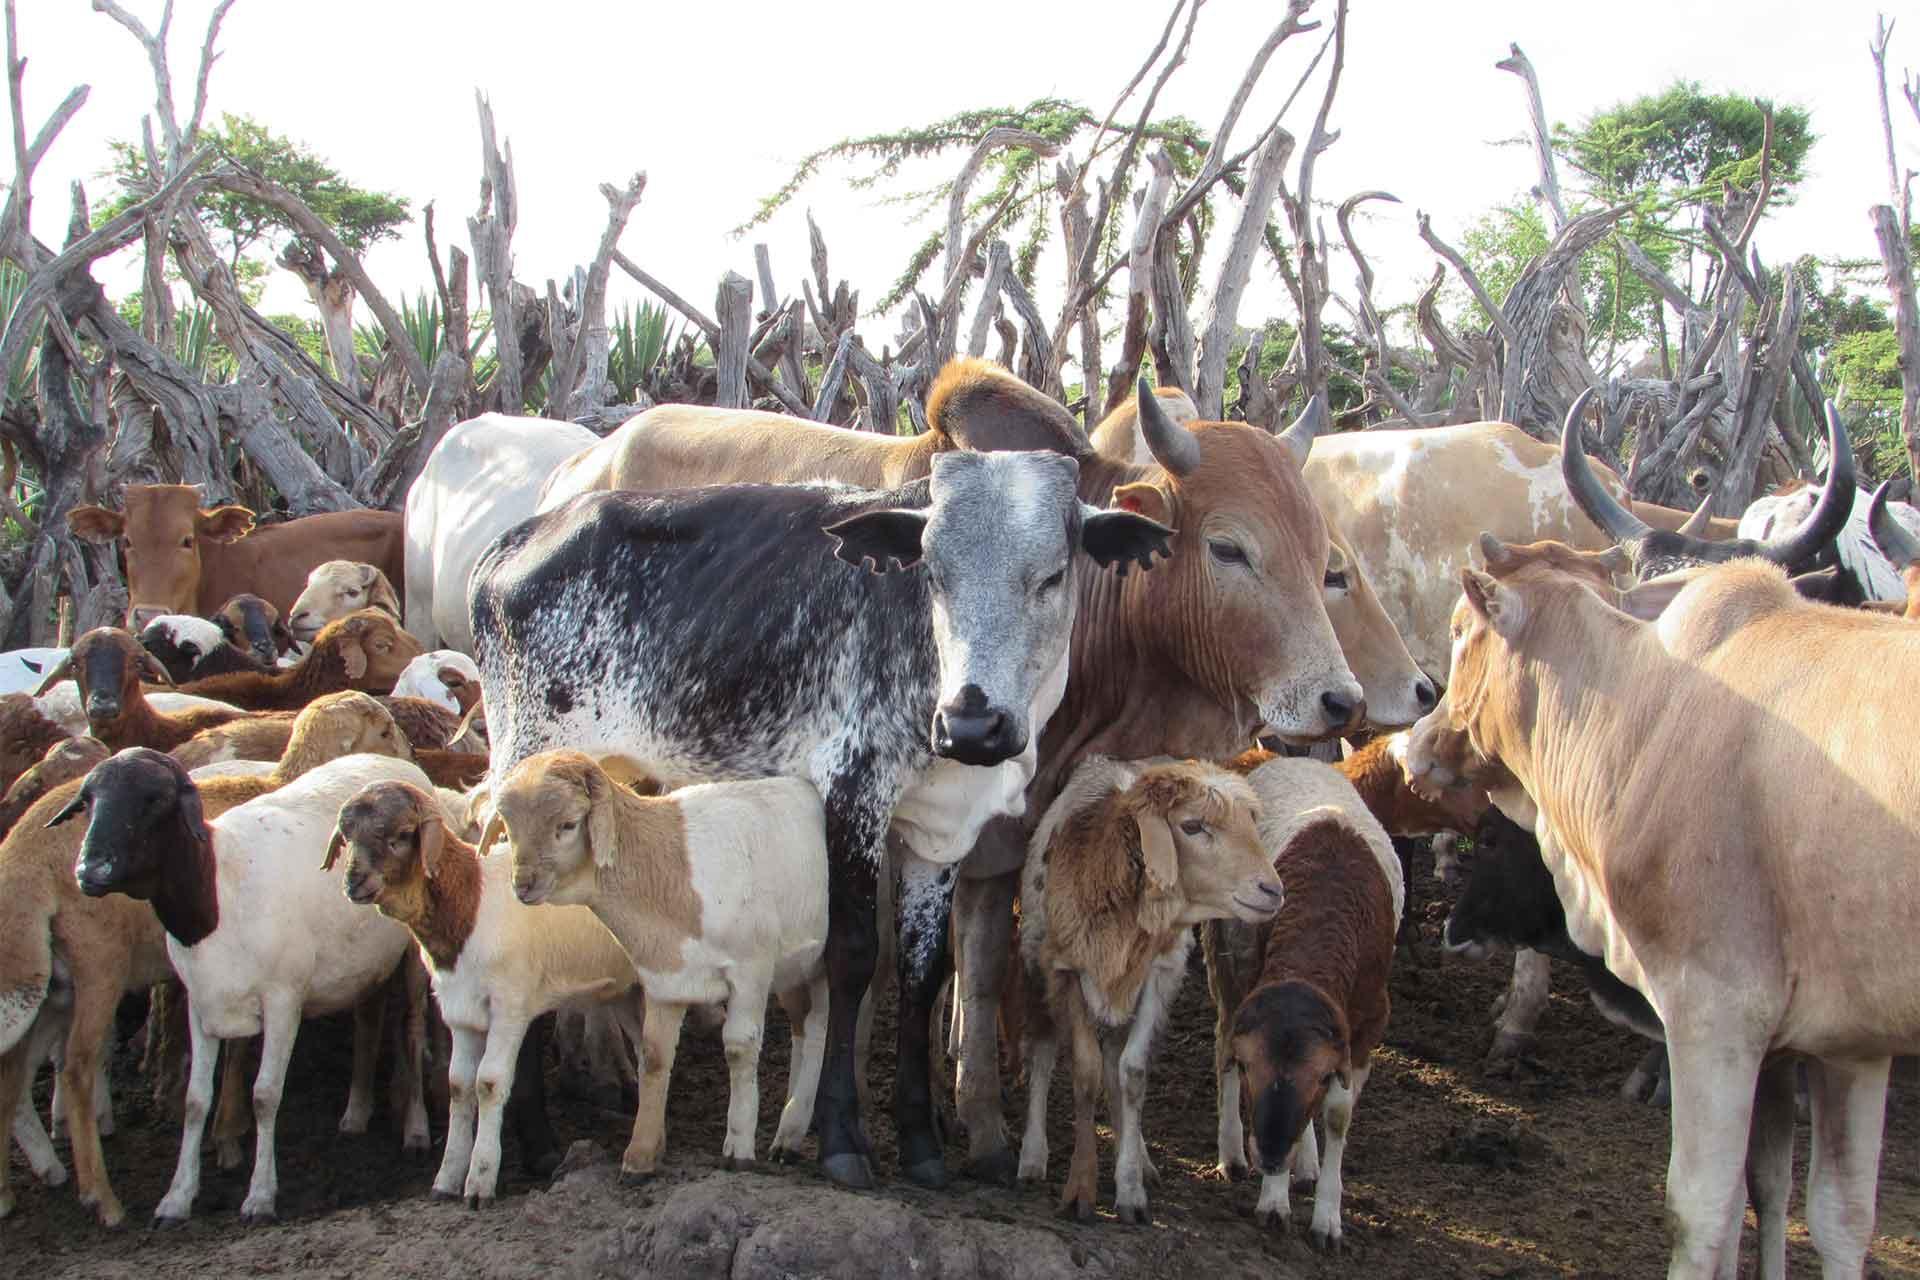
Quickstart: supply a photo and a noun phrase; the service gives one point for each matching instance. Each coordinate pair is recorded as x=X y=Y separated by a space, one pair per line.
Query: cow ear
x=1650 y=599
x=1117 y=539
x=1498 y=604
x=884 y=537
x=1144 y=499
x=95 y=524
x=225 y=524
x=354 y=656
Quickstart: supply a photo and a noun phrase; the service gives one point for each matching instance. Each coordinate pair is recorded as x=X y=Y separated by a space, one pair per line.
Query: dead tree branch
x=1548 y=190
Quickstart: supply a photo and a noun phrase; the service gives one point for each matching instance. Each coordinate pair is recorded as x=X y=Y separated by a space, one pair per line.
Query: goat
x=259 y=935
x=107 y=666
x=1124 y=862
x=717 y=891
x=111 y=946
x=253 y=626
x=1302 y=1040
x=497 y=964
x=191 y=648
x=365 y=650
x=336 y=589
x=26 y=735
x=446 y=677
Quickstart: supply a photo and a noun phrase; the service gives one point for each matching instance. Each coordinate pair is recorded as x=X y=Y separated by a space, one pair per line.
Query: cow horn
x=1601 y=507
x=1172 y=445
x=1895 y=543
x=1830 y=513
x=1314 y=421
x=1697 y=524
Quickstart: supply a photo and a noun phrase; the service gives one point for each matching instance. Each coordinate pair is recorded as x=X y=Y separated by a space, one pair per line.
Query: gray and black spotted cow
x=716 y=633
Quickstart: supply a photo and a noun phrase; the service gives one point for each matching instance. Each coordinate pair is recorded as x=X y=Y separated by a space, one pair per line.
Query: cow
x=1865 y=572
x=1398 y=692
x=706 y=634
x=1895 y=539
x=1728 y=906
x=483 y=478
x=182 y=558
x=1655 y=551
x=972 y=405
x=1172 y=665
x=1411 y=503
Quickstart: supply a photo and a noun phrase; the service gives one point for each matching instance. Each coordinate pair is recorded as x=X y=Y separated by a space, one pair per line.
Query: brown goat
x=108 y=664
x=1123 y=864
x=26 y=735
x=1302 y=1039
x=65 y=760
x=1378 y=773
x=253 y=626
x=365 y=651
x=263 y=735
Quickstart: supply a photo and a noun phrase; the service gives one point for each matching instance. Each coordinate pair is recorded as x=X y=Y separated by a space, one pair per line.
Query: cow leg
x=983 y=915
x=1526 y=1000
x=1713 y=1096
x=1770 y=1165
x=925 y=959
x=1849 y=1102
x=856 y=832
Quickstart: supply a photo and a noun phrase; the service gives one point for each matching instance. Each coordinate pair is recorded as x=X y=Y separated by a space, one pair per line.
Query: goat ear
x=354 y=656
x=335 y=843
x=451 y=677
x=1157 y=852
x=191 y=813
x=63 y=670
x=433 y=842
x=602 y=836
x=71 y=807
x=495 y=828
x=152 y=671
x=380 y=592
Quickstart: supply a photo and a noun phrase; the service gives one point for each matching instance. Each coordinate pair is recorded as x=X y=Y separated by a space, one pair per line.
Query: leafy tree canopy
x=360 y=217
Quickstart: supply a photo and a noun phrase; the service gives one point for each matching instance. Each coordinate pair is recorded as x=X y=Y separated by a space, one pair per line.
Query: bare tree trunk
x=733 y=308
x=1220 y=328
x=1906 y=323
x=333 y=296
x=491 y=231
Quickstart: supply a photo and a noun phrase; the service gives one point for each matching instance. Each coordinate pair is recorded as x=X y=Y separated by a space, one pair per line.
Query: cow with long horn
x=1658 y=551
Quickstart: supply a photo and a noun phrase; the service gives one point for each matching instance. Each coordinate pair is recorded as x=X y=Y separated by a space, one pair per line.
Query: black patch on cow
x=559 y=697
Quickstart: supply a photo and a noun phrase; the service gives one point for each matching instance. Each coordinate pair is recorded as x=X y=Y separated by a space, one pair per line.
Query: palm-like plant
x=640 y=340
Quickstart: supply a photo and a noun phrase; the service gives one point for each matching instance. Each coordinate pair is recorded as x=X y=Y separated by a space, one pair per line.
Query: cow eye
x=187 y=542
x=1336 y=580
x=569 y=826
x=353 y=593
x=1193 y=826
x=1053 y=580
x=1226 y=551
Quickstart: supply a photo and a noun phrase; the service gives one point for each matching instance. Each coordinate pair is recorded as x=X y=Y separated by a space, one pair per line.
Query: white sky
x=717 y=99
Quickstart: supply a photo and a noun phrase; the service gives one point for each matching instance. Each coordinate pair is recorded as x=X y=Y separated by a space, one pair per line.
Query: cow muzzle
x=971 y=730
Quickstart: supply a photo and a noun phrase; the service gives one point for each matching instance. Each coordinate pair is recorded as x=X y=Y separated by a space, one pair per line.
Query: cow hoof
x=167 y=1222
x=1075 y=1209
x=851 y=1170
x=997 y=1167
x=931 y=1174
x=257 y=1217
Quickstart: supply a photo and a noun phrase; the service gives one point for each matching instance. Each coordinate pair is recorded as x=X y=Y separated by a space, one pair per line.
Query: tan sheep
x=336 y=589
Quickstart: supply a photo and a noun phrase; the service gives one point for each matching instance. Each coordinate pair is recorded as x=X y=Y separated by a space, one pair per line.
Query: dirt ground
x=1449 y=1172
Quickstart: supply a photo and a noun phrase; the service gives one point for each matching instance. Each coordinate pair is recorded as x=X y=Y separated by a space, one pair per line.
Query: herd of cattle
x=728 y=705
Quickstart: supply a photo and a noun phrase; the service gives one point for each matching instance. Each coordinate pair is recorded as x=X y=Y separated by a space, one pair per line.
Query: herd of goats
x=728 y=705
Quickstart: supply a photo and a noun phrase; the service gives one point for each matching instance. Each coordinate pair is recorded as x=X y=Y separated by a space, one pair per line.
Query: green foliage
x=1864 y=367
x=640 y=340
x=306 y=333
x=1619 y=304
x=13 y=283
x=195 y=345
x=1011 y=172
x=360 y=217
x=420 y=317
x=1683 y=143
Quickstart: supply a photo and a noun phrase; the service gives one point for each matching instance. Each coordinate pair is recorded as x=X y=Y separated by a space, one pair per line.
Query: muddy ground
x=1450 y=1172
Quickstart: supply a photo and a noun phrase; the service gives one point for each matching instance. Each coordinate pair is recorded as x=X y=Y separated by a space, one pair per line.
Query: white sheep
x=497 y=964
x=256 y=929
x=718 y=892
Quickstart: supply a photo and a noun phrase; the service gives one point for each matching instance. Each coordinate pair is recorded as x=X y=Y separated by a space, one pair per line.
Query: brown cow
x=182 y=558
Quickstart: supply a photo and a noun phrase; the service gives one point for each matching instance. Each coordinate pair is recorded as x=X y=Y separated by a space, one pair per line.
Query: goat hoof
x=784 y=1155
x=851 y=1170
x=1272 y=1218
x=478 y=1202
x=442 y=1196
x=1231 y=1171
x=997 y=1167
x=1135 y=1215
x=1324 y=1241
x=931 y=1174
x=167 y=1222
x=257 y=1217
x=54 y=1177
x=635 y=1177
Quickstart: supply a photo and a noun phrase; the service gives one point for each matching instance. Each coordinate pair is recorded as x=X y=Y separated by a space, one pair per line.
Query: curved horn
x=1895 y=543
x=1601 y=507
x=1696 y=525
x=63 y=670
x=1172 y=445
x=1314 y=421
x=1830 y=513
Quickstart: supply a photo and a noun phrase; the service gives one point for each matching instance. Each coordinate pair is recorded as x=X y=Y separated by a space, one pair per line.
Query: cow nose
x=1425 y=694
x=972 y=731
x=1342 y=707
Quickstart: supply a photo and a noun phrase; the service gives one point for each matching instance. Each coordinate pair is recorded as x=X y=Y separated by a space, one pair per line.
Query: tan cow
x=182 y=558
x=1761 y=897
x=1398 y=692
x=973 y=405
